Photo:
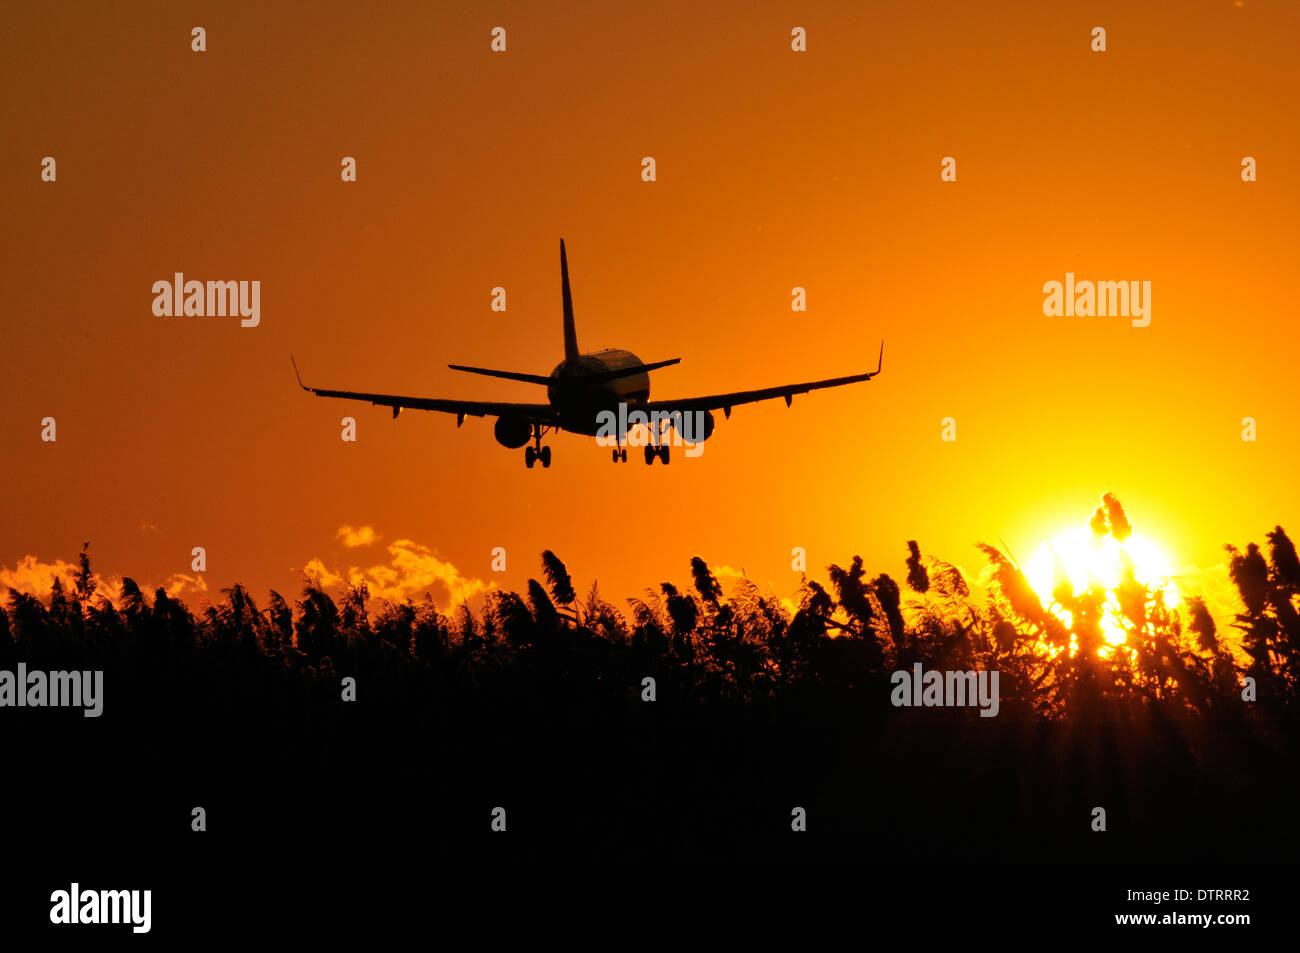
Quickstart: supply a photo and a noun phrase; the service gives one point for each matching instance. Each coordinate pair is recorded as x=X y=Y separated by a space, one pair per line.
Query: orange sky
x=775 y=169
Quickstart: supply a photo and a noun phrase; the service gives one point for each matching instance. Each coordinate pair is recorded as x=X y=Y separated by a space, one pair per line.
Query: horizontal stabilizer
x=629 y=371
x=508 y=375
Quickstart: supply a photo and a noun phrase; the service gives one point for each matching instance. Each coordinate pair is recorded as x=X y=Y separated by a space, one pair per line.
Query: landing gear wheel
x=530 y=457
x=622 y=455
x=663 y=455
x=650 y=454
x=545 y=457
x=614 y=455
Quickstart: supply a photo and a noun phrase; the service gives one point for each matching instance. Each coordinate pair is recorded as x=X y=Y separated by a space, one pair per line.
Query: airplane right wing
x=533 y=413
x=725 y=402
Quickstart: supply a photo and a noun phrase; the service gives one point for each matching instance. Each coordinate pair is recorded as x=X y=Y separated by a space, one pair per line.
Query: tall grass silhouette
x=755 y=701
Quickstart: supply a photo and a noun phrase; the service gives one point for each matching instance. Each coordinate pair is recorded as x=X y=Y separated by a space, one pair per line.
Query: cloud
x=361 y=536
x=36 y=578
x=318 y=573
x=183 y=587
x=411 y=571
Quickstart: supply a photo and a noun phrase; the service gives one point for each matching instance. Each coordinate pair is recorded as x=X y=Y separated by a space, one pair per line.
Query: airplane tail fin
x=570 y=332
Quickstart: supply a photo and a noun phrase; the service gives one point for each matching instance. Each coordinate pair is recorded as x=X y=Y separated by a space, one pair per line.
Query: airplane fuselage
x=578 y=399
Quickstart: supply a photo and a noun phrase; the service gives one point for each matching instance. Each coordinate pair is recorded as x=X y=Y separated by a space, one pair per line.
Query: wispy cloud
x=360 y=536
x=182 y=587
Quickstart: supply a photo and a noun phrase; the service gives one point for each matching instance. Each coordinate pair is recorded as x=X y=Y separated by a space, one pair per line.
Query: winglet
x=296 y=374
x=880 y=362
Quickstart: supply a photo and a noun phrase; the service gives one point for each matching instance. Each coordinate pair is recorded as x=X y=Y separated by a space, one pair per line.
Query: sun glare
x=1086 y=559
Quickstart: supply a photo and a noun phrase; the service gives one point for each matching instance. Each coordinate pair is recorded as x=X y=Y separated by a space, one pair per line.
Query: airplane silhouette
x=585 y=388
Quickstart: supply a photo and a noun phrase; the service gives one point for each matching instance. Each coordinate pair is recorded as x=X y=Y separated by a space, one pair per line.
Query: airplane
x=583 y=391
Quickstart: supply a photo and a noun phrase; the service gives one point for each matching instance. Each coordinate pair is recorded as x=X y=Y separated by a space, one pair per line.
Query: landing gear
x=658 y=445
x=537 y=451
x=619 y=454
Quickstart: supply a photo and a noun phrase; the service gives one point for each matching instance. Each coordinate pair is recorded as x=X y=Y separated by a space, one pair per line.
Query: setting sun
x=1085 y=559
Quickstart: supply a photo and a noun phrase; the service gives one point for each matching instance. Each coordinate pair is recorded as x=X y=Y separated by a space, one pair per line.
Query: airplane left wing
x=725 y=402
x=534 y=413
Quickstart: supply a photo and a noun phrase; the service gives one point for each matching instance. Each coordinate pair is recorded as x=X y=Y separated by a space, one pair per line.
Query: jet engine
x=690 y=425
x=512 y=432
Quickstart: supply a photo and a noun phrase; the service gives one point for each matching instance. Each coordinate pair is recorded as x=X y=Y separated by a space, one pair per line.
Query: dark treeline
x=535 y=703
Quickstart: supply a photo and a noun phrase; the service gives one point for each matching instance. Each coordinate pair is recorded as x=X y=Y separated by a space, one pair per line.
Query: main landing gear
x=656 y=451
x=537 y=451
x=657 y=448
